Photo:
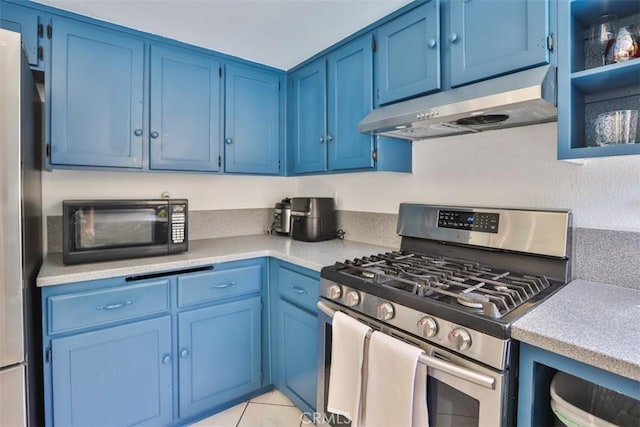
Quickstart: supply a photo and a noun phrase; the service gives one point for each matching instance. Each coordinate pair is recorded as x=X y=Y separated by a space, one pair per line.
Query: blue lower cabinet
x=298 y=355
x=220 y=354
x=120 y=375
x=537 y=369
x=294 y=332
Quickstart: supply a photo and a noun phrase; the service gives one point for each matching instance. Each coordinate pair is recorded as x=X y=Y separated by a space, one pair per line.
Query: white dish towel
x=396 y=391
x=347 y=356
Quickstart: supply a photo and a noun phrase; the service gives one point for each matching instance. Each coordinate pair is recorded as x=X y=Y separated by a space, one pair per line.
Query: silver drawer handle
x=114 y=306
x=223 y=285
x=299 y=290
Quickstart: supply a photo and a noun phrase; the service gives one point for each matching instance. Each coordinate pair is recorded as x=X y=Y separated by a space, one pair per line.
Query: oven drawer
x=213 y=285
x=297 y=288
x=93 y=308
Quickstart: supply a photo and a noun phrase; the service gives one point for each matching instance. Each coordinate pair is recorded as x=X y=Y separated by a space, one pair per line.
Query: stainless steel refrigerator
x=20 y=236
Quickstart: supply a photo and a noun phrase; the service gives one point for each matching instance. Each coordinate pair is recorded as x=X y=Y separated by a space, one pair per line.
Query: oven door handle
x=435 y=363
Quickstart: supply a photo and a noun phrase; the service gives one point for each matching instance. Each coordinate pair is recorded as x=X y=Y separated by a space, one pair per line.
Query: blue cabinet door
x=29 y=24
x=184 y=130
x=408 y=54
x=96 y=96
x=297 y=355
x=492 y=37
x=308 y=109
x=115 y=376
x=252 y=124
x=350 y=99
x=220 y=354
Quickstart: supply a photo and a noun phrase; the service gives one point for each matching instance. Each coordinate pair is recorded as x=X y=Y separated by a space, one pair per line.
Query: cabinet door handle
x=299 y=290
x=154 y=134
x=228 y=141
x=453 y=37
x=321 y=140
x=114 y=306
x=432 y=43
x=184 y=353
x=329 y=138
x=223 y=285
x=166 y=359
x=137 y=132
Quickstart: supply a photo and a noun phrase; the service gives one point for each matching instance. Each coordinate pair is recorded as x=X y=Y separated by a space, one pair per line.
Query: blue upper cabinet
x=31 y=25
x=253 y=105
x=184 y=110
x=97 y=98
x=328 y=98
x=350 y=99
x=589 y=86
x=307 y=116
x=408 y=54
x=492 y=37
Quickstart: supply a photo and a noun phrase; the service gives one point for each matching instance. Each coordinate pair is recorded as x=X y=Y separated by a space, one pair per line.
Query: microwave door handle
x=435 y=363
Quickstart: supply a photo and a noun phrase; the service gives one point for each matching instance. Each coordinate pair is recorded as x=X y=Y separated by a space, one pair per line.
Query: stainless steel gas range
x=462 y=276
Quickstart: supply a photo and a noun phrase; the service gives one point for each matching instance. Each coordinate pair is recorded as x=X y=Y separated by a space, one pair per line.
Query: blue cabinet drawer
x=204 y=287
x=297 y=288
x=93 y=308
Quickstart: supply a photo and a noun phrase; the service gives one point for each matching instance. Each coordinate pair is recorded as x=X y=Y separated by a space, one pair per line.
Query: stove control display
x=472 y=221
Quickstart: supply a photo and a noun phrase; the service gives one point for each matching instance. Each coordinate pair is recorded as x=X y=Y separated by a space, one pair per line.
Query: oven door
x=459 y=392
x=108 y=230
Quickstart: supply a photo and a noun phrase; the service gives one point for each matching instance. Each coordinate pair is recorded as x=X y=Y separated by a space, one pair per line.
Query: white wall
x=513 y=167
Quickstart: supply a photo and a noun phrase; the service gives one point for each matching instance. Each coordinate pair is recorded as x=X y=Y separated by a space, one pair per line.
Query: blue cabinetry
x=97 y=97
x=253 y=105
x=220 y=354
x=31 y=25
x=537 y=367
x=119 y=375
x=184 y=110
x=587 y=87
x=492 y=37
x=408 y=54
x=154 y=351
x=294 y=293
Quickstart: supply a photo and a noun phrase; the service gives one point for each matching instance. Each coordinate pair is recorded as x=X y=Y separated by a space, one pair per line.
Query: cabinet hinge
x=551 y=43
x=374 y=155
x=40 y=31
x=49 y=31
x=40 y=53
x=219 y=161
x=47 y=355
x=219 y=71
x=261 y=306
x=48 y=150
x=374 y=45
x=279 y=86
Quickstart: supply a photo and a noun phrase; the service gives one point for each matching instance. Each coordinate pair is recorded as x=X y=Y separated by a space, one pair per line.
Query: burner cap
x=472 y=299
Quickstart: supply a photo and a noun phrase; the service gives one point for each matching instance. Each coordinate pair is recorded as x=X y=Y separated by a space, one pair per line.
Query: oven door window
x=101 y=228
x=449 y=407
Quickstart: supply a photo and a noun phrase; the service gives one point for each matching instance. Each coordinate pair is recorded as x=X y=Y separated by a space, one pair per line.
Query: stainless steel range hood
x=518 y=99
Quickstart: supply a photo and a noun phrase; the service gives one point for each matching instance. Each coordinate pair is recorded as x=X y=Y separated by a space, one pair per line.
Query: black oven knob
x=334 y=291
x=352 y=298
x=384 y=311
x=429 y=326
x=460 y=339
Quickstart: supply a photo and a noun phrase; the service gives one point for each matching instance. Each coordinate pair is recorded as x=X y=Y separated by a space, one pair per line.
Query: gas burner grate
x=463 y=283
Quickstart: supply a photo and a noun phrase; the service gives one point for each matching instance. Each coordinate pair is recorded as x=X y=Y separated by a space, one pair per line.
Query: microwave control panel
x=178 y=223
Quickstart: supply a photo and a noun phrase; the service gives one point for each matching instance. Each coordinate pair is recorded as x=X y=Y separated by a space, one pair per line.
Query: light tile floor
x=271 y=409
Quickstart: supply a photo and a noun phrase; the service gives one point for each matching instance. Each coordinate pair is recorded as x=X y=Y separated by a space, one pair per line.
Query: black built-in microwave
x=107 y=230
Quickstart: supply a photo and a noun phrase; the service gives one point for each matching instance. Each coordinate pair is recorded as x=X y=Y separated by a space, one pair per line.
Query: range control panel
x=472 y=221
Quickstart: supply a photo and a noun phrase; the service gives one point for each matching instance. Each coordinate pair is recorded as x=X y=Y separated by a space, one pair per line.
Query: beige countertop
x=210 y=251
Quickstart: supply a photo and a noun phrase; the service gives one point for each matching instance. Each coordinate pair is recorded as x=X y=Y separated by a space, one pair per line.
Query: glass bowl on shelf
x=616 y=127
